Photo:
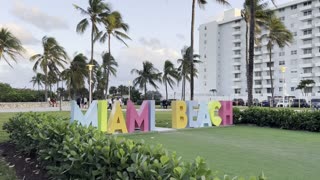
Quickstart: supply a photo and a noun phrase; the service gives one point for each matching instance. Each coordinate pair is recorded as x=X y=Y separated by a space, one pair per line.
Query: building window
x=237 y=91
x=306 y=32
x=307 y=3
x=268 y=73
x=257 y=91
x=237 y=67
x=309 y=22
x=293 y=7
x=307 y=41
x=237 y=28
x=294 y=71
x=205 y=69
x=307 y=13
x=280 y=89
x=258 y=82
x=293 y=52
x=307 y=51
x=292 y=88
x=238 y=52
x=205 y=41
x=237 y=44
x=257 y=74
x=307 y=70
x=258 y=49
x=282 y=62
x=237 y=37
x=237 y=75
x=268 y=90
x=294 y=33
x=205 y=28
x=281 y=53
x=282 y=18
x=237 y=21
x=281 y=80
x=281 y=10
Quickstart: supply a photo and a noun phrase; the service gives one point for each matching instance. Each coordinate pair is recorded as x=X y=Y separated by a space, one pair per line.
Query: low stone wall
x=22 y=105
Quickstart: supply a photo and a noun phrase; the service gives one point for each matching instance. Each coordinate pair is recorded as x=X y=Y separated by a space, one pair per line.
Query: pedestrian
x=79 y=101
x=110 y=103
x=82 y=102
x=85 y=101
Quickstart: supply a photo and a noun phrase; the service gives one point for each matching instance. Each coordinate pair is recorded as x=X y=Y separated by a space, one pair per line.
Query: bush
x=71 y=151
x=279 y=118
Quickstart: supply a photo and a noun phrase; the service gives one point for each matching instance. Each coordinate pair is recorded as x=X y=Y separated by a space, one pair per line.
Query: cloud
x=153 y=43
x=180 y=36
x=21 y=33
x=36 y=17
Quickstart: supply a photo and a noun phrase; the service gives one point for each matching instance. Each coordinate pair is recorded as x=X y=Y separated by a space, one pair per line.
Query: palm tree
x=53 y=57
x=109 y=65
x=170 y=74
x=303 y=84
x=185 y=68
x=9 y=46
x=278 y=34
x=148 y=75
x=201 y=4
x=261 y=17
x=94 y=13
x=251 y=50
x=37 y=79
x=75 y=75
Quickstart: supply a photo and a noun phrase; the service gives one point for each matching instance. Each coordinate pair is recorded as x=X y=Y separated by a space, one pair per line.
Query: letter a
x=137 y=119
x=179 y=116
x=116 y=120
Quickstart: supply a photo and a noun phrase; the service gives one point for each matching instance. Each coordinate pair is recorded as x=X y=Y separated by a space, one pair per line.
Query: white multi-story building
x=222 y=51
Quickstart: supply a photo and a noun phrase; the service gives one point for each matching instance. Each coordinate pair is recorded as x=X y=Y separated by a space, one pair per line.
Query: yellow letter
x=213 y=107
x=179 y=115
x=116 y=120
x=102 y=116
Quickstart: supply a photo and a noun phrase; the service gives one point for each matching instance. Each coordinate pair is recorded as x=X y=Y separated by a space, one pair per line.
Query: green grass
x=247 y=151
x=6 y=173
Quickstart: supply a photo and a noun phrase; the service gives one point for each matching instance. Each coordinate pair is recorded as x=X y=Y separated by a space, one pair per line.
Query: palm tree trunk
x=184 y=88
x=247 y=33
x=191 y=47
x=46 y=84
x=145 y=91
x=251 y=52
x=38 y=91
x=166 y=90
x=108 y=71
x=270 y=72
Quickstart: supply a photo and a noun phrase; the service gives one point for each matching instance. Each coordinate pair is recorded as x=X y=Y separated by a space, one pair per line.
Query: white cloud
x=21 y=33
x=180 y=36
x=36 y=17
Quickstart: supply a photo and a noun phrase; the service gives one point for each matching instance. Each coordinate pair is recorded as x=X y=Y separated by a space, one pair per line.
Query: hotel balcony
x=317 y=35
x=257 y=61
x=303 y=8
x=236 y=48
x=307 y=26
x=236 y=25
x=267 y=85
x=235 y=86
x=317 y=24
x=304 y=65
x=308 y=36
x=257 y=53
x=304 y=46
x=306 y=56
x=257 y=86
x=236 y=40
x=236 y=56
x=236 y=63
x=317 y=64
x=304 y=18
x=257 y=77
x=267 y=77
x=306 y=75
x=236 y=33
x=257 y=69
x=317 y=74
x=317 y=54
x=317 y=15
x=267 y=69
x=236 y=79
x=236 y=71
x=317 y=4
x=317 y=44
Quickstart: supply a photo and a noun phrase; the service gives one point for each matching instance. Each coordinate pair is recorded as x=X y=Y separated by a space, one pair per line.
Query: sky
x=159 y=29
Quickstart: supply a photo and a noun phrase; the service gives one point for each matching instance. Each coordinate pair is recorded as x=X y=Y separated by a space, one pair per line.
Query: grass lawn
x=6 y=173
x=243 y=150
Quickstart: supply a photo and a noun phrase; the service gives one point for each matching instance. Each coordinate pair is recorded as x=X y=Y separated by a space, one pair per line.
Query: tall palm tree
x=170 y=75
x=251 y=50
x=94 y=13
x=53 y=57
x=201 y=4
x=38 y=79
x=76 y=74
x=261 y=17
x=109 y=65
x=147 y=75
x=278 y=35
x=184 y=68
x=9 y=46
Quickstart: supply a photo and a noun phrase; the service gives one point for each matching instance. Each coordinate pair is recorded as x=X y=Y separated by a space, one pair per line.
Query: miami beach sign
x=185 y=114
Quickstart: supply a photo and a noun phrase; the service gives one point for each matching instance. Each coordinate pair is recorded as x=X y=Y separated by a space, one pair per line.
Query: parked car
x=315 y=103
x=265 y=103
x=238 y=102
x=302 y=102
x=282 y=103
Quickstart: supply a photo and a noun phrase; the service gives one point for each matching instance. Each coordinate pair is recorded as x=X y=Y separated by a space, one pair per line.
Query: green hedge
x=71 y=151
x=279 y=118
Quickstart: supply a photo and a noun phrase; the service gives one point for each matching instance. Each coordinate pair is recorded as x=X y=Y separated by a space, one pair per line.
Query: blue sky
x=159 y=30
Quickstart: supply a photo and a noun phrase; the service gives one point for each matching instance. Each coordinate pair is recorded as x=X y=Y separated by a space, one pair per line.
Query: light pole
x=283 y=70
x=90 y=66
x=129 y=90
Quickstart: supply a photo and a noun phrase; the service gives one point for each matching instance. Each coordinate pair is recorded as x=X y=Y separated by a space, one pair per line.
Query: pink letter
x=226 y=113
x=137 y=119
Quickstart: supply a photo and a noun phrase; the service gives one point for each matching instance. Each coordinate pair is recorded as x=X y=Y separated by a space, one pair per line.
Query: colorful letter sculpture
x=213 y=107
x=179 y=116
x=137 y=119
x=203 y=115
x=152 y=115
x=226 y=113
x=91 y=116
x=116 y=120
x=191 y=112
x=102 y=116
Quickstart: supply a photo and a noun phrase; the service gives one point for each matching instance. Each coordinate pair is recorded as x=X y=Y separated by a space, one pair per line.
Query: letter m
x=137 y=119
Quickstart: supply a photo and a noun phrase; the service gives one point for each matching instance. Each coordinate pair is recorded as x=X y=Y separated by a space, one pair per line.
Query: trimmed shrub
x=279 y=118
x=71 y=151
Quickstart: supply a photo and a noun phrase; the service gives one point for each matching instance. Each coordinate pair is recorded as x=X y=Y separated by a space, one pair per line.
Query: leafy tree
x=123 y=90
x=76 y=74
x=109 y=65
x=135 y=94
x=53 y=56
x=147 y=75
x=113 y=90
x=170 y=75
x=10 y=46
x=201 y=4
x=278 y=35
x=184 y=68
x=101 y=83
x=155 y=95
x=38 y=79
x=304 y=84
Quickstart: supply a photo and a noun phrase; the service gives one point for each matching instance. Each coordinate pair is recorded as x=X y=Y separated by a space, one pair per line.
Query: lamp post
x=90 y=66
x=283 y=70
x=129 y=90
